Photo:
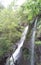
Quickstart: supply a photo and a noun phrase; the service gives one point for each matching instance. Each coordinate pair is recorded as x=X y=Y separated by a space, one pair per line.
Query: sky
x=7 y=2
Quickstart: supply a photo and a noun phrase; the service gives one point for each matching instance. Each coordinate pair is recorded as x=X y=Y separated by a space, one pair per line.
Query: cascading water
x=15 y=56
x=32 y=43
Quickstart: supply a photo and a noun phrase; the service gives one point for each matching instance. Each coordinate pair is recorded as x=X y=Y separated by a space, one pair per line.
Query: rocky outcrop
x=38 y=54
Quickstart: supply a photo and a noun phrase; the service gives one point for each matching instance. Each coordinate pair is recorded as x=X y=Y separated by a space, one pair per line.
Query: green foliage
x=39 y=28
x=38 y=42
x=30 y=9
x=12 y=22
x=10 y=30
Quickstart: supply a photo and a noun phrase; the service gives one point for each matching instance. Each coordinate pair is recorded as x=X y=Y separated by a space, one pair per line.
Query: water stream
x=15 y=56
x=33 y=42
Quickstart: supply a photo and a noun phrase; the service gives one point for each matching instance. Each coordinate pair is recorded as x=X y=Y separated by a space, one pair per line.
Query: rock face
x=39 y=38
x=38 y=54
x=6 y=55
x=3 y=61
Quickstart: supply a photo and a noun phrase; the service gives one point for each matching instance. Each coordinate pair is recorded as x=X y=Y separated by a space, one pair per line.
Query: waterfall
x=15 y=56
x=32 y=42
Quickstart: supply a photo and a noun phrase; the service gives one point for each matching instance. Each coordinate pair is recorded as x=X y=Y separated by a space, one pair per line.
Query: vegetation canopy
x=12 y=23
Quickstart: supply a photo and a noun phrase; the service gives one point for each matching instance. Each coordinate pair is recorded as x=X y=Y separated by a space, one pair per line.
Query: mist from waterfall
x=33 y=43
x=15 y=56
